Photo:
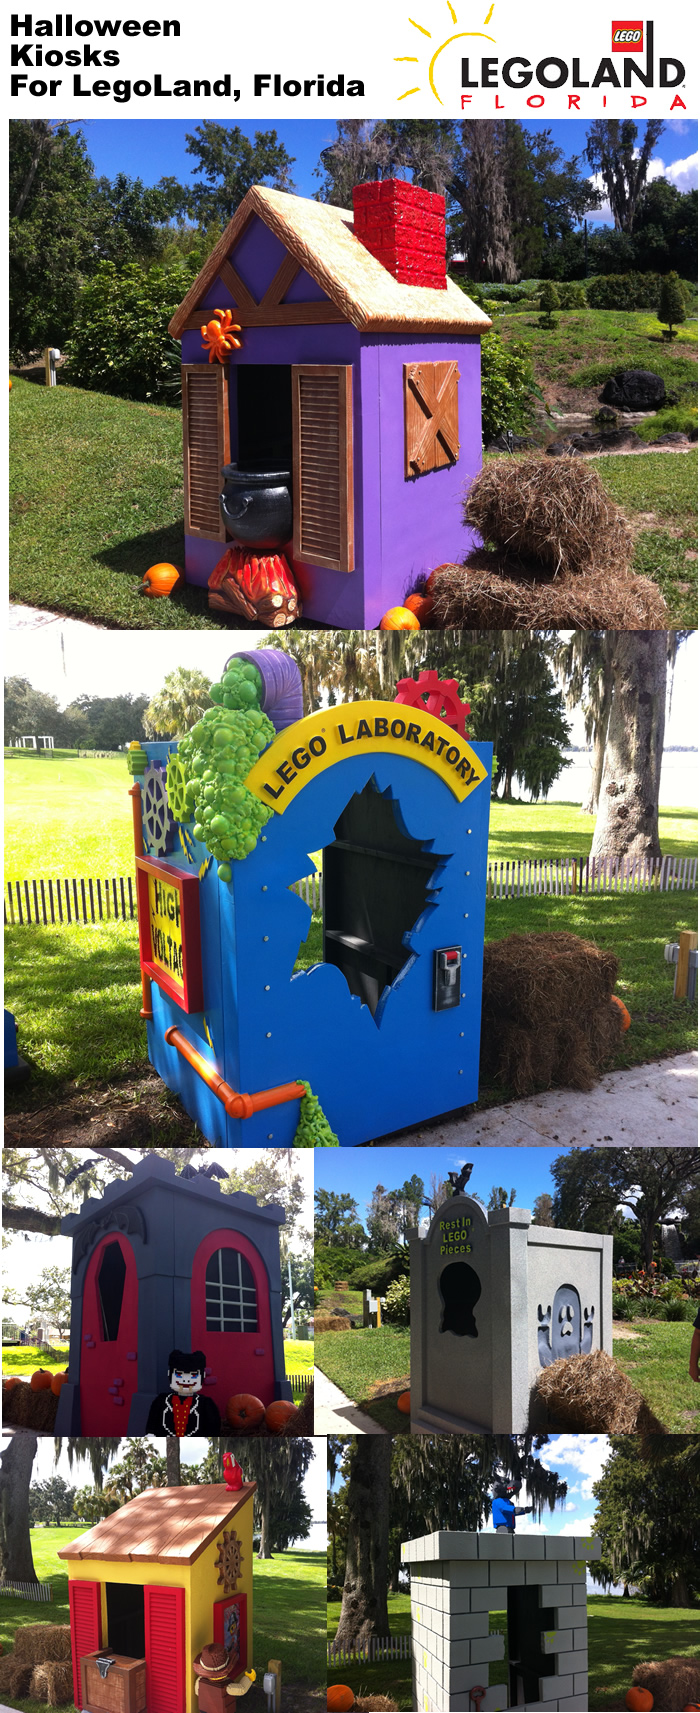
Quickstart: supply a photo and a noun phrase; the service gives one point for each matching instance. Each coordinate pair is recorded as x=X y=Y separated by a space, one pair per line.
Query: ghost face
x=186 y=1381
x=566 y=1322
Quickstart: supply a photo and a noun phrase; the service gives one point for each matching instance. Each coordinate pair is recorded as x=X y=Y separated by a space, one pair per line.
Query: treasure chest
x=112 y=1683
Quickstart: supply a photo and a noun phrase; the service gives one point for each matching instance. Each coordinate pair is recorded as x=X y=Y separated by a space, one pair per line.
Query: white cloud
x=683 y=173
x=585 y=1452
x=570 y=1506
x=582 y=1526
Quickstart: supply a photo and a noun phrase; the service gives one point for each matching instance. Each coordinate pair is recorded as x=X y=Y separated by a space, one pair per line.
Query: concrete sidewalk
x=649 y=1106
x=334 y=1413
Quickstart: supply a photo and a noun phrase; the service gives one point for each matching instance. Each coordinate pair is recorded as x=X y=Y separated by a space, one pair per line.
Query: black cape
x=203 y=1419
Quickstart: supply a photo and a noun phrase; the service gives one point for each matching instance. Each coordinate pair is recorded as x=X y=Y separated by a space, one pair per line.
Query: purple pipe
x=283 y=698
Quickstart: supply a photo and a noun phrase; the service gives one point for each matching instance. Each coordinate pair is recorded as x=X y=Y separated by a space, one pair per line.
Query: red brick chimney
x=404 y=227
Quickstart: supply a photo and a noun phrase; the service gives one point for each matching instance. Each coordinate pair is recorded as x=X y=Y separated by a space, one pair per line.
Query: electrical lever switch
x=447 y=976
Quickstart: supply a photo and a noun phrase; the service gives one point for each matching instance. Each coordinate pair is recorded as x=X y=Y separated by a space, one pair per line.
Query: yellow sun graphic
x=412 y=59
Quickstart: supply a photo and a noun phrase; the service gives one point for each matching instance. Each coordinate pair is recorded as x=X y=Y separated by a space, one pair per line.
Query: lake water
x=679 y=779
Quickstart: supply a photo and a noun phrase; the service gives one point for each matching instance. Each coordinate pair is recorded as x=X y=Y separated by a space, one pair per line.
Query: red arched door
x=231 y=1318
x=109 y=1343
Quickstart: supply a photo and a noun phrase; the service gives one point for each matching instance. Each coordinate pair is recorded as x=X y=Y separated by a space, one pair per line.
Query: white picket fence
x=531 y=877
x=378 y=1647
x=28 y=1590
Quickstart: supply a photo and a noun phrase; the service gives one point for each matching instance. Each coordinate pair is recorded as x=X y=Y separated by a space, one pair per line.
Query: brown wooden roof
x=321 y=240
x=170 y=1524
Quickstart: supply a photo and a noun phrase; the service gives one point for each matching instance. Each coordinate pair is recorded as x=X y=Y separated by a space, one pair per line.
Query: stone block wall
x=458 y=1579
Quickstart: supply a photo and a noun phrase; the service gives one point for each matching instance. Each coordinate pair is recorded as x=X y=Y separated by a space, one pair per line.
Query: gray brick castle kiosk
x=457 y=1579
x=494 y=1299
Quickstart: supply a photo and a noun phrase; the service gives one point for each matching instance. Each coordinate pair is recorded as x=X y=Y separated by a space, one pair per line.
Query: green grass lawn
x=656 y=1362
x=23 y=1359
x=289 y=1609
x=299 y=1356
x=620 y=1634
x=68 y=816
x=96 y=497
x=588 y=345
x=76 y=991
x=521 y=830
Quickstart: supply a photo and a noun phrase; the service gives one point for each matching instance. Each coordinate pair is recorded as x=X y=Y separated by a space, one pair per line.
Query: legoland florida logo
x=628 y=38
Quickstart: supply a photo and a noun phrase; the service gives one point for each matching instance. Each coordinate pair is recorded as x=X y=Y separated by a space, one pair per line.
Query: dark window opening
x=126 y=1623
x=231 y=1297
x=460 y=1289
x=376 y=884
x=264 y=416
x=526 y=1661
x=111 y=1279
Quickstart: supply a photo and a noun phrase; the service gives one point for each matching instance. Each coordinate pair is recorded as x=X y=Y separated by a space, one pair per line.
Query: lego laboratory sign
x=365 y=728
x=169 y=934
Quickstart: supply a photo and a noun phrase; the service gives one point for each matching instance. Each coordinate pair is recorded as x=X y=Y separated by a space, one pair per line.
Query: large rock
x=589 y=441
x=634 y=389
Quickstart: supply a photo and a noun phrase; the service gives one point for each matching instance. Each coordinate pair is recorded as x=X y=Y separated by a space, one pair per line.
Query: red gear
x=437 y=696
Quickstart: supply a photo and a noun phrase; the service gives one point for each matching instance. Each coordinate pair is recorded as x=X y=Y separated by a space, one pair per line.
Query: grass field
x=23 y=1359
x=620 y=1634
x=71 y=816
x=289 y=1609
x=656 y=1362
x=588 y=345
x=76 y=991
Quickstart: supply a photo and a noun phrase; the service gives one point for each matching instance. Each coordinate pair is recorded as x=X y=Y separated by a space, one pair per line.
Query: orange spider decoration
x=219 y=336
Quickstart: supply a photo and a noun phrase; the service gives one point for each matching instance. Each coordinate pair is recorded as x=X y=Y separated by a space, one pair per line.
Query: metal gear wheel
x=158 y=824
x=177 y=790
x=437 y=696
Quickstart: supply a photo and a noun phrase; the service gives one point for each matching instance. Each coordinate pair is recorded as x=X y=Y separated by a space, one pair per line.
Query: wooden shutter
x=431 y=416
x=85 y=1605
x=322 y=442
x=164 y=1612
x=206 y=444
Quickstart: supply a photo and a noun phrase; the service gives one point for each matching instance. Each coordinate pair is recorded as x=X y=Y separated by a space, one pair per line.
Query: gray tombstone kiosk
x=494 y=1299
x=457 y=1579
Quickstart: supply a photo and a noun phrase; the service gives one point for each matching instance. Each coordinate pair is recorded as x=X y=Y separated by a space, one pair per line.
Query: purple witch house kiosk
x=354 y=400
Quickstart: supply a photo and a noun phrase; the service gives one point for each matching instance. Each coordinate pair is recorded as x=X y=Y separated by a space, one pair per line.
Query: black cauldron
x=256 y=506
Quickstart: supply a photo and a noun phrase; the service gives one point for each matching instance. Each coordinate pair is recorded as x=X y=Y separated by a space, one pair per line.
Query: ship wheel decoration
x=437 y=696
x=158 y=824
x=229 y=1561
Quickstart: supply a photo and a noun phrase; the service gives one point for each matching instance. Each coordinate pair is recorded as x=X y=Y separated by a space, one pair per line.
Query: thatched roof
x=322 y=240
x=170 y=1524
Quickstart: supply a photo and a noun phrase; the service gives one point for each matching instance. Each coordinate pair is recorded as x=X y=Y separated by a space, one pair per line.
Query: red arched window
x=230 y=1295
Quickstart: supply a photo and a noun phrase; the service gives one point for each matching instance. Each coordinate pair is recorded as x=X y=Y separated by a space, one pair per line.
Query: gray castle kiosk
x=494 y=1299
x=457 y=1579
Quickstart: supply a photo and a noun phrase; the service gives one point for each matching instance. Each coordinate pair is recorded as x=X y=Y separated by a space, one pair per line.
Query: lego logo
x=627 y=36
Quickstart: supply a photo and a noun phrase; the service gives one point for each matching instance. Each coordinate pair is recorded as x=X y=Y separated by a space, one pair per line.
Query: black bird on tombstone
x=459 y=1180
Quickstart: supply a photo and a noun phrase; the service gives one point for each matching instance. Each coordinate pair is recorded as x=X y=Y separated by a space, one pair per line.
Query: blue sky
x=151 y=148
x=526 y=1170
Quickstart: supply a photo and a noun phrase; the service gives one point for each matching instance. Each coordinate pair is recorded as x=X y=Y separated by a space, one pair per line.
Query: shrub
x=624 y=291
x=572 y=295
x=549 y=301
x=508 y=386
x=120 y=342
x=679 y=419
x=377 y=1272
x=397 y=1308
x=671 y=304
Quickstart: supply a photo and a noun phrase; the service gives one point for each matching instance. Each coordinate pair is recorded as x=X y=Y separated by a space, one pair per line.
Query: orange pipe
x=236 y=1105
x=146 y=1011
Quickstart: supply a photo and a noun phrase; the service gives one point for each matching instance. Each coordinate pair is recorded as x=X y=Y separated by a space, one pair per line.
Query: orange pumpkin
x=639 y=1700
x=339 y=1699
x=421 y=605
x=626 y=1019
x=41 y=1380
x=693 y=1707
x=429 y=580
x=244 y=1411
x=403 y=1403
x=399 y=618
x=58 y=1381
x=160 y=579
x=12 y=1381
x=278 y=1414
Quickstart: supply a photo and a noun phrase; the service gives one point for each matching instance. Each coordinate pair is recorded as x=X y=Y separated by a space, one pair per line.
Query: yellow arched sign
x=362 y=728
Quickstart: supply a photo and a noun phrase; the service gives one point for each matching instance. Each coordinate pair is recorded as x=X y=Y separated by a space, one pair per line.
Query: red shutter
x=85 y=1603
x=165 y=1649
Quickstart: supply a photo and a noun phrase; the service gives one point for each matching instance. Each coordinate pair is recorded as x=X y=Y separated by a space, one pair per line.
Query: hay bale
x=674 y=1683
x=303 y=1421
x=547 y=1017
x=590 y=1394
x=332 y=1323
x=22 y=1407
x=374 y=1704
x=498 y=591
x=15 y=1676
x=557 y=514
x=37 y=1643
x=52 y=1682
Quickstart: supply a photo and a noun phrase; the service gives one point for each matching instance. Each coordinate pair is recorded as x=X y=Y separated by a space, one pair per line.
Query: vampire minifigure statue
x=183 y=1412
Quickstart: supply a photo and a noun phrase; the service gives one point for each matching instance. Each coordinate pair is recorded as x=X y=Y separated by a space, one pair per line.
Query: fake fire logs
x=261 y=589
